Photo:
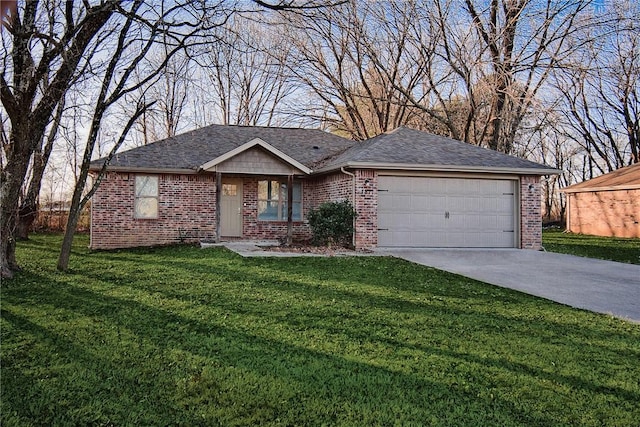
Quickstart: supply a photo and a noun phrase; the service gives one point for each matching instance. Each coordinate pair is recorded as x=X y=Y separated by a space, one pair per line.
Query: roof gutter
x=440 y=168
x=144 y=170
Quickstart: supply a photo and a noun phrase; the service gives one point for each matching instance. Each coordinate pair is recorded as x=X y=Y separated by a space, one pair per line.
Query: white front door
x=231 y=207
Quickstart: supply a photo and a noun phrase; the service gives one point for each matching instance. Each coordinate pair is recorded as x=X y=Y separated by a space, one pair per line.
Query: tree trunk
x=28 y=211
x=26 y=217
x=12 y=176
x=67 y=242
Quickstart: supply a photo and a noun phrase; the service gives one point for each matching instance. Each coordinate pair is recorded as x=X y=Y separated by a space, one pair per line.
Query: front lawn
x=188 y=336
x=609 y=248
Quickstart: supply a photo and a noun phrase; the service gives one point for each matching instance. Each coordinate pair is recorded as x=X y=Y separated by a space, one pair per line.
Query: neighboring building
x=409 y=188
x=608 y=205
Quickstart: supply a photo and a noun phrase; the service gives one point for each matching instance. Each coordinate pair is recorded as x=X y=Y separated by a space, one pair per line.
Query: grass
x=188 y=336
x=609 y=248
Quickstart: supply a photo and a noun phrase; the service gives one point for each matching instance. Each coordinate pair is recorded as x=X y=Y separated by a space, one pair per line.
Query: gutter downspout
x=353 y=200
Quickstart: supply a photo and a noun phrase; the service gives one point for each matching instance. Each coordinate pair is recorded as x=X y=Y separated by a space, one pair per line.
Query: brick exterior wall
x=334 y=187
x=339 y=186
x=367 y=208
x=186 y=212
x=605 y=213
x=530 y=213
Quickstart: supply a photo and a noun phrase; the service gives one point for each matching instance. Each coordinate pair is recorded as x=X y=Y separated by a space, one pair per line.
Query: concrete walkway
x=596 y=285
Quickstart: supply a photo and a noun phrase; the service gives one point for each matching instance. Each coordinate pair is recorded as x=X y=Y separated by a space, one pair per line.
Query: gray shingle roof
x=192 y=149
x=412 y=147
x=319 y=150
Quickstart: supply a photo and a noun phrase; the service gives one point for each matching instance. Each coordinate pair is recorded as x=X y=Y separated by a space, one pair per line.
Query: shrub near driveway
x=187 y=336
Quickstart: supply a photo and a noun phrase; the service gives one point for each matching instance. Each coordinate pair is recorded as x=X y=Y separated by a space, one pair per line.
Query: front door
x=231 y=207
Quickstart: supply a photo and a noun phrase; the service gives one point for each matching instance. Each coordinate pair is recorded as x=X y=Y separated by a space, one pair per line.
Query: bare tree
x=600 y=88
x=142 y=28
x=243 y=79
x=516 y=46
x=44 y=47
x=170 y=95
x=29 y=204
x=49 y=45
x=353 y=58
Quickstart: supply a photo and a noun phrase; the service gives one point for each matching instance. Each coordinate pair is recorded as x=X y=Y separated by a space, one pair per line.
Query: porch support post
x=218 y=208
x=290 y=210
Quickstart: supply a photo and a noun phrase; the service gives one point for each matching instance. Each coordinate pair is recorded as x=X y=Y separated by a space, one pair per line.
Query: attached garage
x=447 y=212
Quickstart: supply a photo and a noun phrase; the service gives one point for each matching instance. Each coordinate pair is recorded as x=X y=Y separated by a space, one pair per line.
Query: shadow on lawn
x=434 y=316
x=322 y=279
x=138 y=353
x=338 y=384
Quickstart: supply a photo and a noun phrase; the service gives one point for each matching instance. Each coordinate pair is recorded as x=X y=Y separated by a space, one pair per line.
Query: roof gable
x=244 y=148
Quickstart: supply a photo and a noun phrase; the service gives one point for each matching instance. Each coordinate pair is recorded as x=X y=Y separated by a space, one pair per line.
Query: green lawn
x=609 y=248
x=188 y=336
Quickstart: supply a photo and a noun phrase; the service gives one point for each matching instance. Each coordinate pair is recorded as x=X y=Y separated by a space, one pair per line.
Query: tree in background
x=353 y=91
x=599 y=85
x=53 y=46
x=45 y=47
x=242 y=75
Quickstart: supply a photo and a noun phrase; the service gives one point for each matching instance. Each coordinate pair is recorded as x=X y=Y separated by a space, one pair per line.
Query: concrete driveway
x=601 y=286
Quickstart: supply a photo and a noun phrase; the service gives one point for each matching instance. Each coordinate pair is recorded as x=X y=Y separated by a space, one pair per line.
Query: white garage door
x=446 y=212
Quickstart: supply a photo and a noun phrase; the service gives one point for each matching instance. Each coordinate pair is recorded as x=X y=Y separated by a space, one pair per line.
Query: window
x=229 y=190
x=272 y=201
x=146 y=203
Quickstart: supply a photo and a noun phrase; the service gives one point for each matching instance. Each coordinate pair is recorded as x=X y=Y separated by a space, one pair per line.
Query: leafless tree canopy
x=553 y=81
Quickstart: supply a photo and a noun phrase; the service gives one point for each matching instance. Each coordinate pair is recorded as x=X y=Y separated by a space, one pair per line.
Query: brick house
x=409 y=188
x=608 y=205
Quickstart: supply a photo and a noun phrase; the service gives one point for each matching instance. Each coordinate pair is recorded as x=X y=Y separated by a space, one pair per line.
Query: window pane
x=297 y=192
x=296 y=214
x=275 y=191
x=262 y=190
x=297 y=211
x=146 y=207
x=229 y=190
x=268 y=210
x=146 y=186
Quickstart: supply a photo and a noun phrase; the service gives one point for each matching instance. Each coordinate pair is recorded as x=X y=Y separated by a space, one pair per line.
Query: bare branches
x=600 y=93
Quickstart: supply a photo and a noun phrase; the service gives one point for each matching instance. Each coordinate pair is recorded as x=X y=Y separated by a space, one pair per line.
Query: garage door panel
x=437 y=204
x=421 y=203
x=397 y=221
x=446 y=212
x=472 y=204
